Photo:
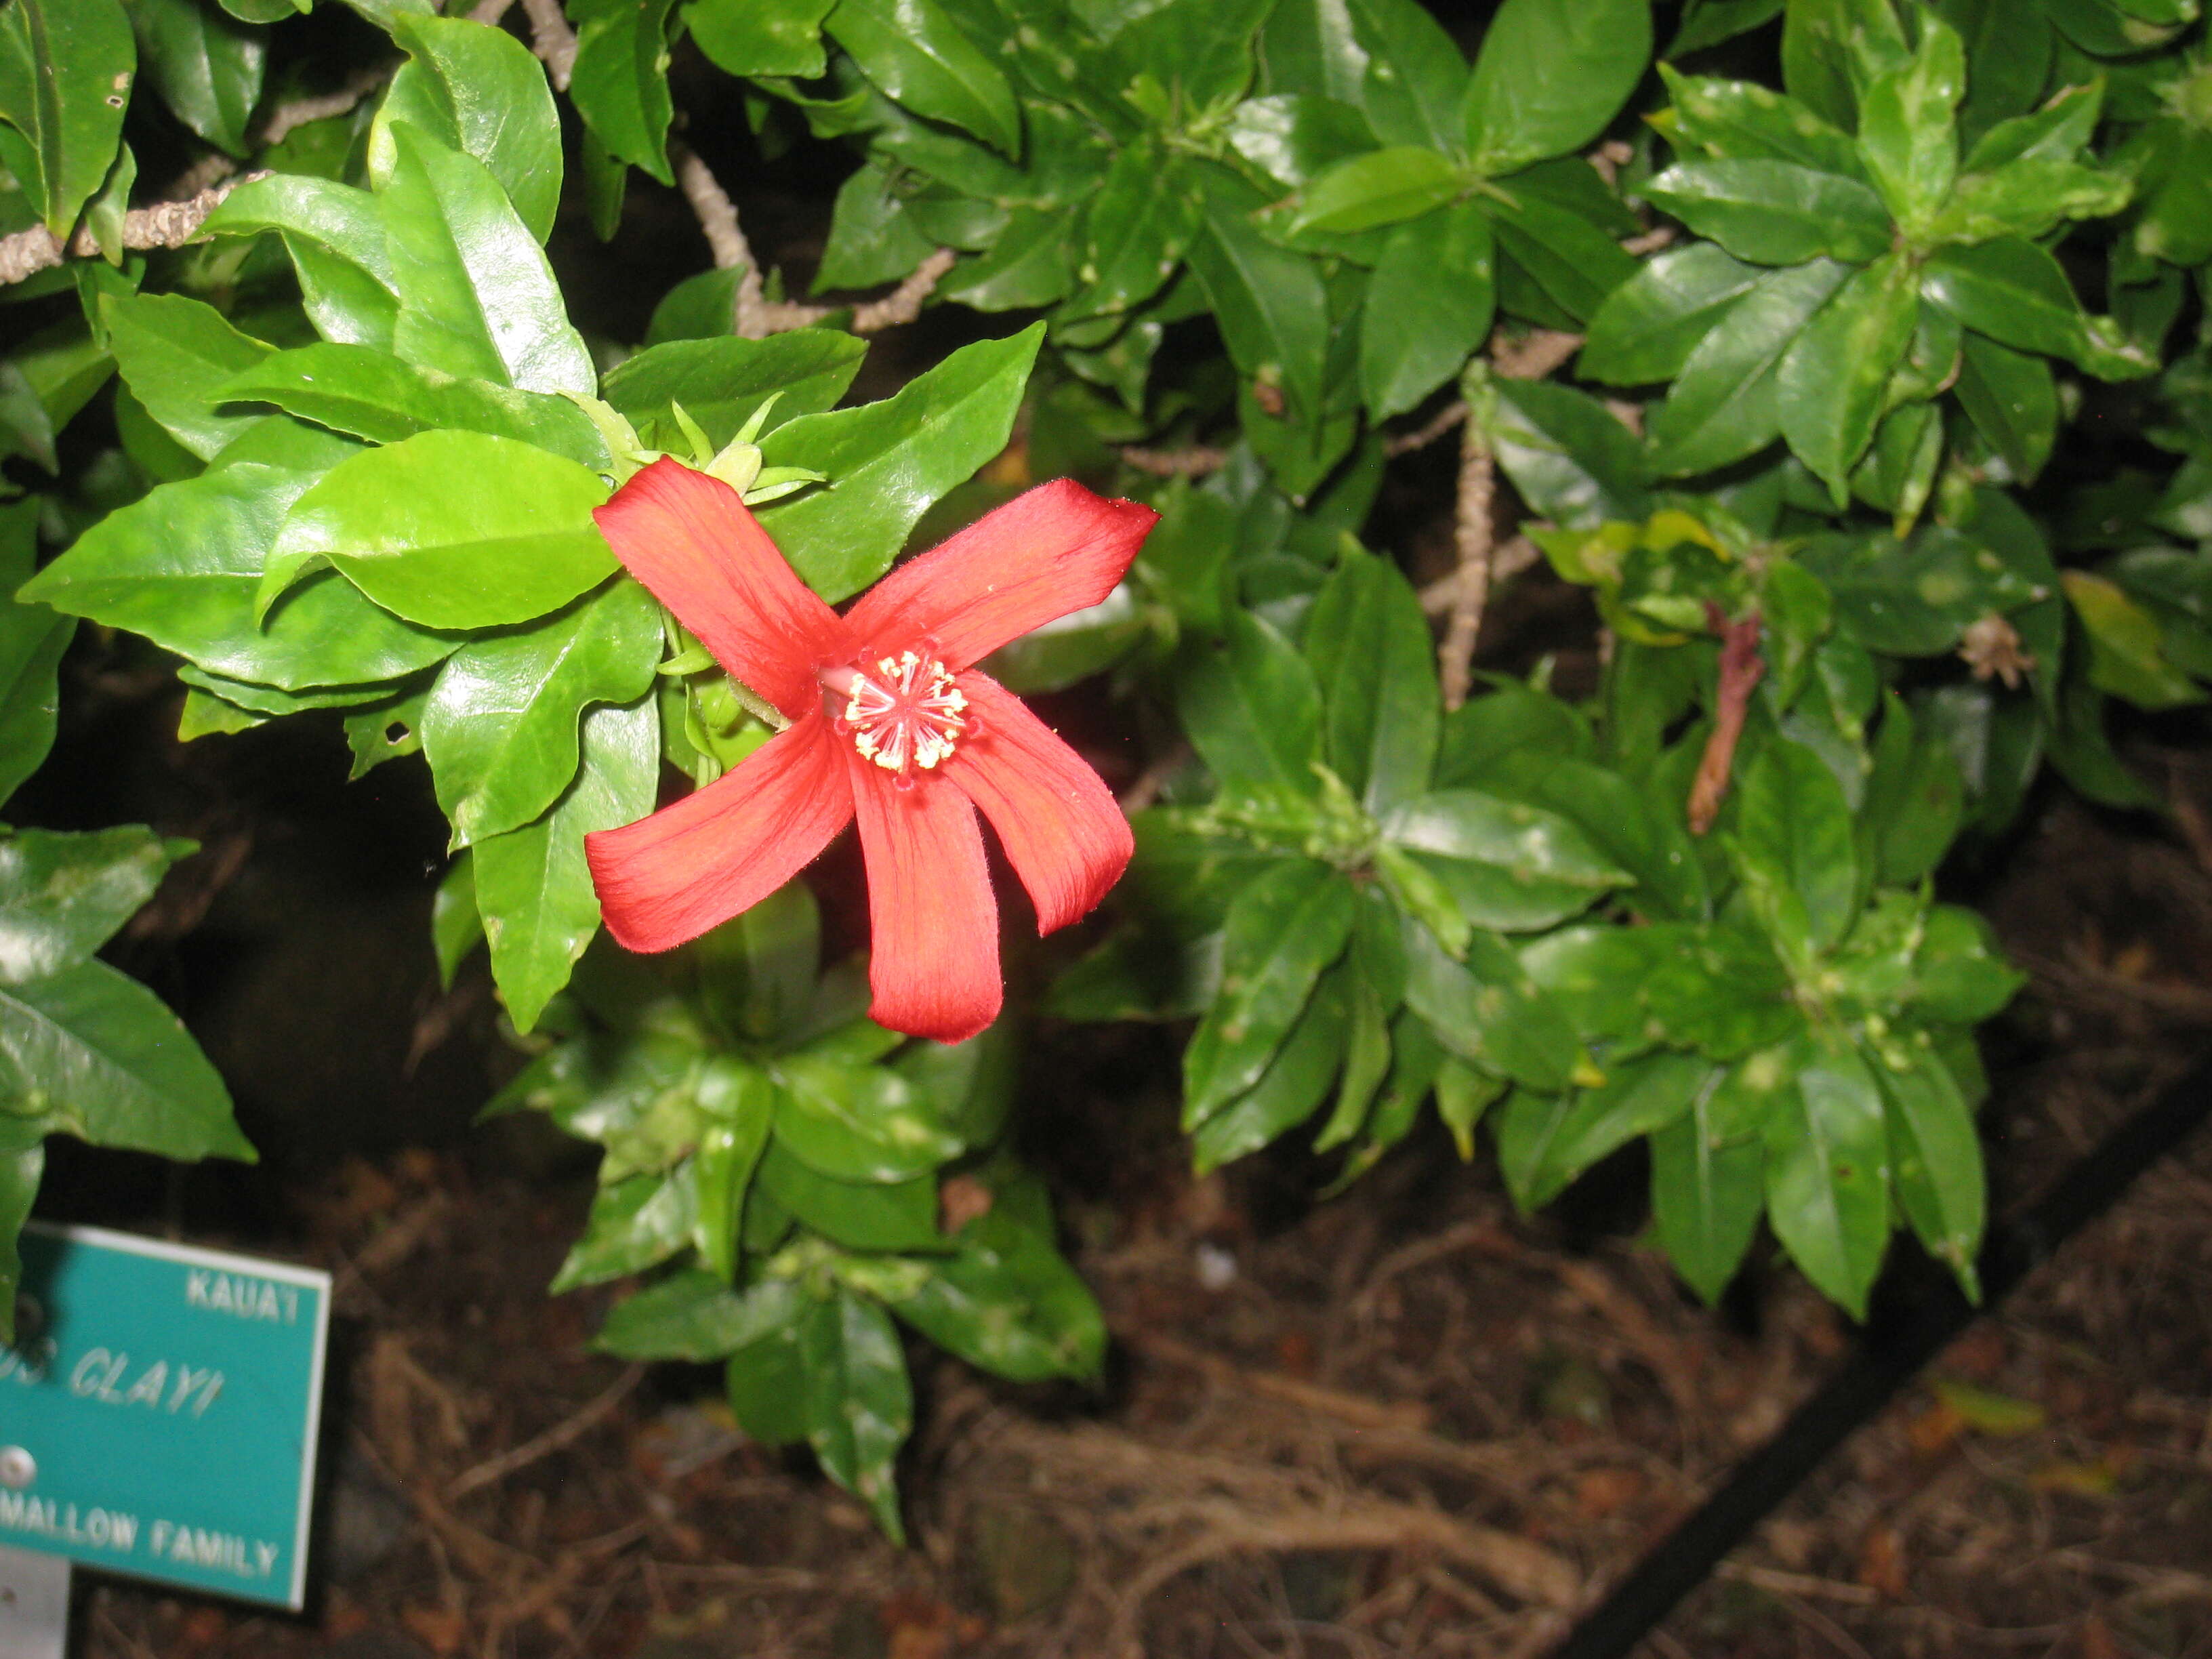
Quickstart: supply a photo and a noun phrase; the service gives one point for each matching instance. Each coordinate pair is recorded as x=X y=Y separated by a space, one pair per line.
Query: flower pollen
x=906 y=714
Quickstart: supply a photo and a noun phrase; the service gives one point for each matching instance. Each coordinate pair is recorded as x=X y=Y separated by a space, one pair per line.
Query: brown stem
x=166 y=224
x=1472 y=535
x=1193 y=463
x=1741 y=669
x=552 y=40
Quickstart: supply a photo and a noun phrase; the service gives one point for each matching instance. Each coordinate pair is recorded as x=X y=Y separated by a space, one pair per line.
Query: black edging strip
x=1922 y=1310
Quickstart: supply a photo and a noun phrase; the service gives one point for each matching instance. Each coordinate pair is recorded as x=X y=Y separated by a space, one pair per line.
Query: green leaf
x=1775 y=213
x=1413 y=78
x=872 y=237
x=1830 y=385
x=1295 y=137
x=456 y=924
x=335 y=234
x=1490 y=1012
x=1269 y=302
x=1252 y=709
x=1569 y=456
x=1937 y=1158
x=1794 y=849
x=916 y=53
x=1743 y=121
x=1960 y=974
x=2127 y=656
x=182 y=565
x=2014 y=291
x=1906 y=132
x=62 y=895
x=475 y=89
x=1290 y=1089
x=19 y=1171
x=206 y=67
x=1509 y=865
x=65 y=73
x=502 y=723
x=1649 y=327
x=1543 y=1143
x=1140 y=221
x=99 y=1057
x=452 y=530
x=620 y=80
x=756 y=970
x=32 y=641
x=888 y=462
x=760 y=37
x=1030 y=264
x=1368 y=643
x=372 y=394
x=175 y=353
x=532 y=884
x=1009 y=1304
x=695 y=1315
x=855 y=1122
x=723 y=382
x=1915 y=798
x=635 y=1223
x=1827 y=46
x=1827 y=1171
x=1706 y=1196
x=2007 y=60
x=1574 y=263
x=1373 y=986
x=1429 y=306
x=1283 y=931
x=859 y=1406
x=1382 y=187
x=476 y=298
x=1622 y=822
x=1550 y=76
x=2013 y=401
x=1507 y=717
x=1708 y=22
x=861 y=1215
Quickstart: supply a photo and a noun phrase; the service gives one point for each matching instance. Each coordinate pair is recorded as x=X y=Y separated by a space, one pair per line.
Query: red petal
x=690 y=539
x=693 y=865
x=1063 y=833
x=1051 y=550
x=935 y=966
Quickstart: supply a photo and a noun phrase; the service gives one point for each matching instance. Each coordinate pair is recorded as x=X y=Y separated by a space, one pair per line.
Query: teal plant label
x=158 y=1413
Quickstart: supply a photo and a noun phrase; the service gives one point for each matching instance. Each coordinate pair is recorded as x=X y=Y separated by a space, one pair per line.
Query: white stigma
x=906 y=714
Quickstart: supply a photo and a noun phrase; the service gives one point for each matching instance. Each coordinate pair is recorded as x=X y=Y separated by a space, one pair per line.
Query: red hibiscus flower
x=889 y=723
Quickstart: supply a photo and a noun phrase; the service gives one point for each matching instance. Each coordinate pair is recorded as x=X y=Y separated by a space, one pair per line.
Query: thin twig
x=297 y=111
x=1404 y=443
x=1472 y=535
x=717 y=214
x=552 y=40
x=1740 y=670
x=1153 y=779
x=1533 y=355
x=1193 y=463
x=561 y=1434
x=1356 y=1409
x=166 y=224
x=1507 y=560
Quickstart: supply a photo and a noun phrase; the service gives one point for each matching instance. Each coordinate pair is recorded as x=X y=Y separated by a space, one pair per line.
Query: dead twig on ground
x=564 y=1433
x=1291 y=1390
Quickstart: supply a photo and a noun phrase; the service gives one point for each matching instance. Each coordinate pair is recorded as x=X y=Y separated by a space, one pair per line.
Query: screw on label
x=18 y=1468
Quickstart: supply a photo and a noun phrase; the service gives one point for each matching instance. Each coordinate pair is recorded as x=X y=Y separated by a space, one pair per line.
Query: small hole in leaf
x=395 y=734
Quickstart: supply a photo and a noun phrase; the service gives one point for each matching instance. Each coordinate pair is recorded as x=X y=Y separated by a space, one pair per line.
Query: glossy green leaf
x=1707 y=1193
x=1775 y=213
x=1373 y=986
x=206 y=66
x=1382 y=187
x=99 y=1057
x=2007 y=60
x=760 y=37
x=1906 y=135
x=1270 y=304
x=478 y=90
x=635 y=1223
x=1827 y=46
x=2127 y=655
x=452 y=530
x=1283 y=931
x=456 y=924
x=32 y=641
x=1428 y=308
x=1139 y=223
x=888 y=462
x=1030 y=264
x=1574 y=263
x=334 y=235
x=1551 y=76
x=1543 y=1142
x=1827 y=1171
x=373 y=395
x=1368 y=643
x=500 y=727
x=2013 y=401
x=1960 y=974
x=620 y=79
x=917 y=54
x=20 y=1169
x=2015 y=292
x=532 y=884
x=62 y=895
x=722 y=382
x=182 y=567
x=1569 y=456
x=65 y=73
x=855 y=1122
x=1649 y=326
x=1830 y=385
x=1198 y=53
x=695 y=1315
x=1709 y=22
x=1624 y=826
x=1526 y=845
x=1490 y=1012
x=1253 y=711
x=1744 y=121
x=872 y=237
x=476 y=298
x=1795 y=848
x=899 y=1215
x=1008 y=1303
x=1915 y=798
x=1937 y=1156
x=1295 y=137
x=174 y=353
x=1288 y=1091
x=1413 y=78
x=858 y=1404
